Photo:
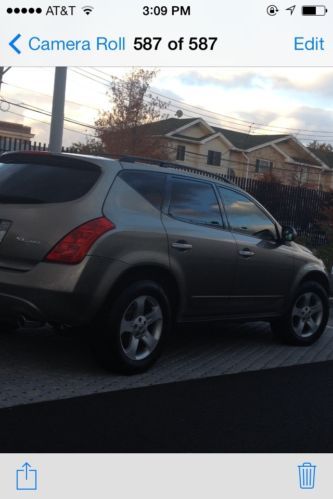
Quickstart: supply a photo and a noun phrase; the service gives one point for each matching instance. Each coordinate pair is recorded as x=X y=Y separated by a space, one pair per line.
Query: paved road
x=39 y=365
x=288 y=409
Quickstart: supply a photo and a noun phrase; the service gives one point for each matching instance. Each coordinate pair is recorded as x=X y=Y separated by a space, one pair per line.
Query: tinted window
x=245 y=216
x=22 y=183
x=194 y=202
x=150 y=185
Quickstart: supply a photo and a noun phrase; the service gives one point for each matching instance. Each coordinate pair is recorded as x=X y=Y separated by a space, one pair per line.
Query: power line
x=237 y=123
x=81 y=104
x=92 y=127
x=47 y=113
x=232 y=120
x=47 y=123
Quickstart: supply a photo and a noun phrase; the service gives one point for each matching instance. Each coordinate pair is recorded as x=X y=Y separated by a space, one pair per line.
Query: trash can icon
x=307 y=475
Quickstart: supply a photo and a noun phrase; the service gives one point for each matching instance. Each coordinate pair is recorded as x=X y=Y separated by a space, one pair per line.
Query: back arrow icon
x=12 y=43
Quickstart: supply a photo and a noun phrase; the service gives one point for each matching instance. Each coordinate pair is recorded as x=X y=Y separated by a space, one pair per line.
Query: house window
x=214 y=158
x=302 y=176
x=180 y=153
x=263 y=165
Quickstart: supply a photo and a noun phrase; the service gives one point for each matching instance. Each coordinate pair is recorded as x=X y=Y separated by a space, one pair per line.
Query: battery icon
x=314 y=10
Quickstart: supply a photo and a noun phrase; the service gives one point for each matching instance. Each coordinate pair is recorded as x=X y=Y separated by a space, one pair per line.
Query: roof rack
x=168 y=164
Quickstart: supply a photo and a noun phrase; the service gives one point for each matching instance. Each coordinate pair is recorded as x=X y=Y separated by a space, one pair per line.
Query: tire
x=306 y=318
x=126 y=341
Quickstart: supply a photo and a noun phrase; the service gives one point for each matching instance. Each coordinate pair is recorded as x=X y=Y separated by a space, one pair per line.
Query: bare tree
x=92 y=146
x=124 y=129
x=320 y=146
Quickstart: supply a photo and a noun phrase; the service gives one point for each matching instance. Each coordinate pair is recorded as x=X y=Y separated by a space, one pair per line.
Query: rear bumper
x=70 y=294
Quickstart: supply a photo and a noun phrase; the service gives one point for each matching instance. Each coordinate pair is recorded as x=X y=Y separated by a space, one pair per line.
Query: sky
x=272 y=100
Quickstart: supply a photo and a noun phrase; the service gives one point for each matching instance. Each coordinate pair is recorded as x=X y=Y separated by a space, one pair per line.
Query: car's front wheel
x=307 y=316
x=133 y=328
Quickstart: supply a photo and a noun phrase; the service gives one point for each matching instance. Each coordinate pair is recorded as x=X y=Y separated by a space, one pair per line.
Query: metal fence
x=8 y=144
x=290 y=205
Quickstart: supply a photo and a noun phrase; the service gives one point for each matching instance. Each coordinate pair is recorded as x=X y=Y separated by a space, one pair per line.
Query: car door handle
x=181 y=245
x=246 y=252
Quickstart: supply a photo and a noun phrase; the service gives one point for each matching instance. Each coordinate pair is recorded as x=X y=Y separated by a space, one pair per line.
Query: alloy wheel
x=307 y=314
x=141 y=327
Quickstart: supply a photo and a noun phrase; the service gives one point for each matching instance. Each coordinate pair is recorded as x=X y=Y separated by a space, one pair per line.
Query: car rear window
x=150 y=185
x=38 y=181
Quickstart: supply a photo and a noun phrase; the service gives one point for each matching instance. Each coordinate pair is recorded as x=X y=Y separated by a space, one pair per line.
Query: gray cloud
x=169 y=94
x=260 y=116
x=312 y=118
x=321 y=87
x=227 y=80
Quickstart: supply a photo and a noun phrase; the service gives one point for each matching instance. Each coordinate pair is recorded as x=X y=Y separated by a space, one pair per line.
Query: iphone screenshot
x=166 y=249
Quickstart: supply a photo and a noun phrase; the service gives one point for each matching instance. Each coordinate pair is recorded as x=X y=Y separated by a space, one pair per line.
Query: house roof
x=325 y=156
x=239 y=140
x=163 y=127
x=246 y=141
x=14 y=127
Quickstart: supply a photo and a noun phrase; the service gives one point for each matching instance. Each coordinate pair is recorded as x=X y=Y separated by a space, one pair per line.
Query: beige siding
x=244 y=164
x=197 y=131
x=293 y=150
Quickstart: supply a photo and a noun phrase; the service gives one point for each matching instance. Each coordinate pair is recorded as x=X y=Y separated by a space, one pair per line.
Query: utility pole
x=3 y=71
x=58 y=109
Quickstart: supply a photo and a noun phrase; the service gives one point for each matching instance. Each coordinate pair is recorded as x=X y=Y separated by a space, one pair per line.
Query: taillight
x=74 y=247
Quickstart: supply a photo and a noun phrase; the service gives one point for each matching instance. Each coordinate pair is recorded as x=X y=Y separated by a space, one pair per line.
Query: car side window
x=194 y=201
x=245 y=216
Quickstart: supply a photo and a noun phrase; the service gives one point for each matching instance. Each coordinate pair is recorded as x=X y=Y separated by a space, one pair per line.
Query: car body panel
x=263 y=280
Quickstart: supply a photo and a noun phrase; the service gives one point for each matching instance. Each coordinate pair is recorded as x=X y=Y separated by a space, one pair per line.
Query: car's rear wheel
x=307 y=316
x=133 y=328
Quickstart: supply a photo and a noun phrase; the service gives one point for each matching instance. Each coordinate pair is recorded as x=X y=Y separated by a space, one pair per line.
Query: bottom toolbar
x=148 y=476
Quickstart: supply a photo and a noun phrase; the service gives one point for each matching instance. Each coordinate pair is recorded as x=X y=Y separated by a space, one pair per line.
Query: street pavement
x=40 y=365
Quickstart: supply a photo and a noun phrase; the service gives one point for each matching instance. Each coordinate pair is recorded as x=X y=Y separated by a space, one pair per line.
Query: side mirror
x=288 y=233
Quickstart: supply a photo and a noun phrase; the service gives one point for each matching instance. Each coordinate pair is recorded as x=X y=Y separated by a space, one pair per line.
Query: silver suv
x=124 y=248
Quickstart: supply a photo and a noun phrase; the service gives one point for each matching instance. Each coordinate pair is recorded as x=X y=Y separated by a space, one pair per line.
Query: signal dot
x=24 y=10
x=9 y=11
x=31 y=10
x=17 y=11
x=39 y=10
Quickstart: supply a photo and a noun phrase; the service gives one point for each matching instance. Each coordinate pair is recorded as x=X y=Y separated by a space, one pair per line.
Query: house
x=233 y=153
x=14 y=136
x=327 y=158
x=15 y=131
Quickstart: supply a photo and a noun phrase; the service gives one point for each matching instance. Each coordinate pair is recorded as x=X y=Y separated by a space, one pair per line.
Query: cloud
x=320 y=87
x=260 y=116
x=166 y=93
x=318 y=119
x=324 y=85
x=234 y=80
x=297 y=81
